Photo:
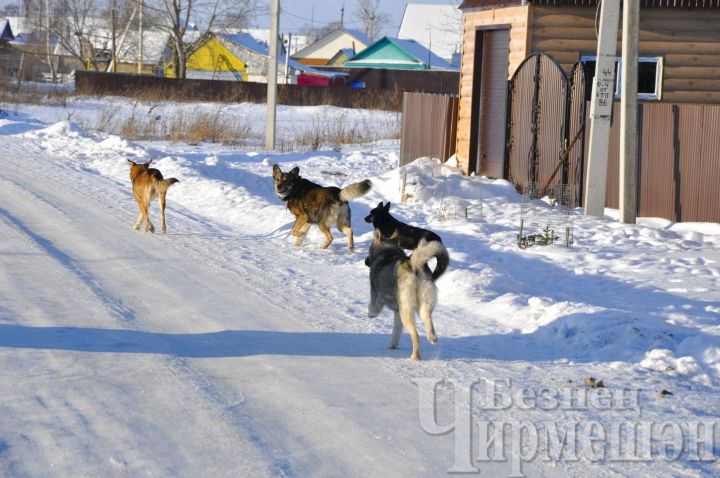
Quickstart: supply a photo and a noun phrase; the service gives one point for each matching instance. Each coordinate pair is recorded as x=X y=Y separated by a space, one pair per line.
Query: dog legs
x=138 y=223
x=406 y=316
x=396 y=332
x=328 y=236
x=427 y=300
x=300 y=222
x=426 y=316
x=349 y=233
x=301 y=233
x=162 y=212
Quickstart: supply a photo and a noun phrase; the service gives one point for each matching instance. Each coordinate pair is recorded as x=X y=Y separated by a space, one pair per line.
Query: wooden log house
x=679 y=59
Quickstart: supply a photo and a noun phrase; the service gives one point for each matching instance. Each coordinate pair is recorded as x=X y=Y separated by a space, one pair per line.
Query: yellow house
x=209 y=59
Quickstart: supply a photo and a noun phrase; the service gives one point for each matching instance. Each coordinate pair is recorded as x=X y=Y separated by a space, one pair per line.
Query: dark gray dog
x=403 y=284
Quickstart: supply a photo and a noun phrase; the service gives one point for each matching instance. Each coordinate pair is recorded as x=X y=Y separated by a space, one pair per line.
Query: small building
x=340 y=57
x=239 y=57
x=679 y=59
x=323 y=50
x=393 y=53
x=210 y=59
x=437 y=27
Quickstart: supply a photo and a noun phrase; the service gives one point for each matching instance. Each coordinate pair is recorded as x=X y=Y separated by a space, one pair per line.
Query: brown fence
x=429 y=125
x=158 y=88
x=417 y=81
x=679 y=162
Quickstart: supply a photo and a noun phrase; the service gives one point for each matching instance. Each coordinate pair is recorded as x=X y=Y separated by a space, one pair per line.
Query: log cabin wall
x=688 y=40
x=514 y=18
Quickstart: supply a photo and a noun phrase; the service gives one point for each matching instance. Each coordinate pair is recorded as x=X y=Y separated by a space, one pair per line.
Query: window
x=649 y=76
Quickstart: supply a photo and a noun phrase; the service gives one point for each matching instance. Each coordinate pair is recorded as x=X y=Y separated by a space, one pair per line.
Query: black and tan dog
x=147 y=184
x=408 y=237
x=315 y=204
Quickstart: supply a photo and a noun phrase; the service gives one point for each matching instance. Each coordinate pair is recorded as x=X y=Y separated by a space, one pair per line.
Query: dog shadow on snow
x=576 y=337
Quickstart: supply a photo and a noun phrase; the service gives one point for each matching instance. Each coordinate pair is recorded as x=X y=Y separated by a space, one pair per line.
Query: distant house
x=436 y=27
x=393 y=53
x=340 y=57
x=211 y=59
x=327 y=47
x=240 y=57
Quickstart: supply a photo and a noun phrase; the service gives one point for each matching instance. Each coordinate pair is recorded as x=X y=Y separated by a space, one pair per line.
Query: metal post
x=629 y=113
x=113 y=63
x=287 y=59
x=140 y=39
x=601 y=108
x=272 y=76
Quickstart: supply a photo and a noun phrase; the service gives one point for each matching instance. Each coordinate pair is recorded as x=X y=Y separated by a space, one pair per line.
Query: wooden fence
x=429 y=125
x=158 y=88
x=679 y=162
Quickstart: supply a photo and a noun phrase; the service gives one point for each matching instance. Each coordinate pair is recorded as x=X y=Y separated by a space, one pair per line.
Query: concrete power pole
x=601 y=106
x=272 y=76
x=628 y=112
x=140 y=39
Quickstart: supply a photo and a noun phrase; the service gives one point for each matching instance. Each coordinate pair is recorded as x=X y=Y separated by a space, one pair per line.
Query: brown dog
x=147 y=184
x=315 y=204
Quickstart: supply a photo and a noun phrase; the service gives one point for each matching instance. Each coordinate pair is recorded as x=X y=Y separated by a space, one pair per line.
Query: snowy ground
x=220 y=349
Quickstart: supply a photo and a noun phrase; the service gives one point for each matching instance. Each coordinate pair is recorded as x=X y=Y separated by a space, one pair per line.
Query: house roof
x=326 y=43
x=437 y=27
x=645 y=3
x=390 y=52
x=6 y=33
x=247 y=41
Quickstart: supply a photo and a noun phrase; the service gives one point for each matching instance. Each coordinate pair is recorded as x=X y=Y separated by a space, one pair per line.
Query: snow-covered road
x=147 y=355
x=219 y=349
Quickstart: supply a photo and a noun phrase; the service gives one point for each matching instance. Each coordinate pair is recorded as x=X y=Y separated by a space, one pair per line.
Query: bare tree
x=372 y=19
x=187 y=21
x=73 y=23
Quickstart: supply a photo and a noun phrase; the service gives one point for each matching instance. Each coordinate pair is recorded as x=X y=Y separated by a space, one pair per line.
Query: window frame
x=659 y=69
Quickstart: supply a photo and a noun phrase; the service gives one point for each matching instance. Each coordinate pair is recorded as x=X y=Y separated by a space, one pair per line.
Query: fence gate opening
x=545 y=127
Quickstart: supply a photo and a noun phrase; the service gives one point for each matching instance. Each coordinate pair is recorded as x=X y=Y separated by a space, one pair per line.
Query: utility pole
x=342 y=16
x=140 y=39
x=628 y=112
x=601 y=106
x=272 y=76
x=113 y=62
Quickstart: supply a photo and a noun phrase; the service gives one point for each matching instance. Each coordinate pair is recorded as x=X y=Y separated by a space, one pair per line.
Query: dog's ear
x=147 y=165
x=387 y=207
x=130 y=161
x=380 y=205
x=295 y=171
x=276 y=170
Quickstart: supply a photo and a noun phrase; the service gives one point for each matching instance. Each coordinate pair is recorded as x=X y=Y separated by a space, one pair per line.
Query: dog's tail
x=426 y=251
x=164 y=184
x=355 y=190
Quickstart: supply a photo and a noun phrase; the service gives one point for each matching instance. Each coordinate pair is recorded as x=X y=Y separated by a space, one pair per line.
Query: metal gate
x=545 y=129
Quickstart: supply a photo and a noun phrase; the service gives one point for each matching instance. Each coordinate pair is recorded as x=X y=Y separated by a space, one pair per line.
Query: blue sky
x=299 y=13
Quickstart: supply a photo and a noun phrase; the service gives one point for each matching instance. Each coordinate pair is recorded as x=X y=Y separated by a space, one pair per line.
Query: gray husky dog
x=404 y=285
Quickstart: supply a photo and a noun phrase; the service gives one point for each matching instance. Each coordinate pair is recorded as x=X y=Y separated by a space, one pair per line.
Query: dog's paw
x=164 y=228
x=432 y=338
x=325 y=245
x=415 y=356
x=136 y=227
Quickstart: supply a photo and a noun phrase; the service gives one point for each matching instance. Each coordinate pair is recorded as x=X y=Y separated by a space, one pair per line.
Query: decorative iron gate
x=545 y=130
